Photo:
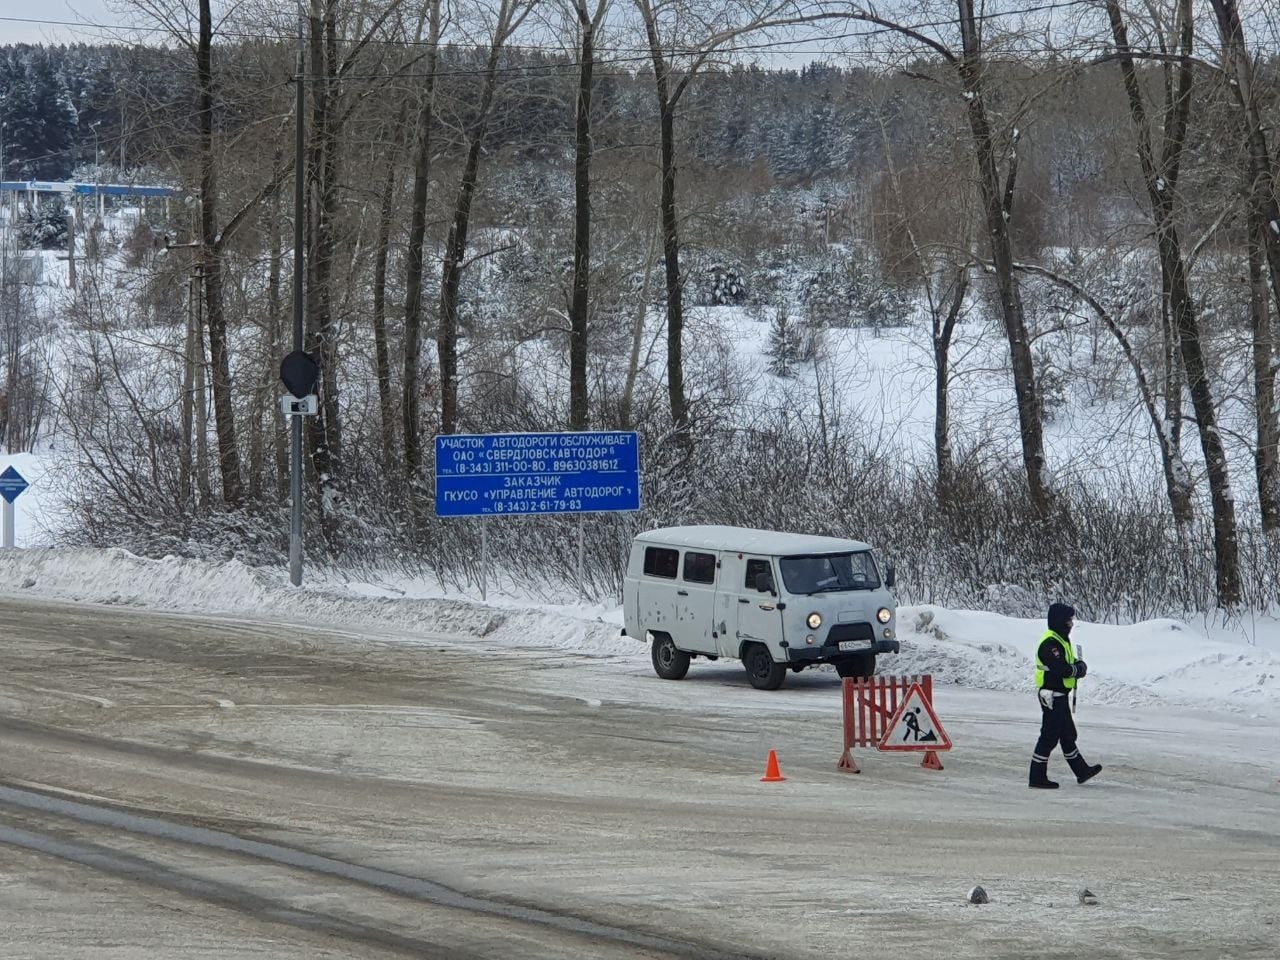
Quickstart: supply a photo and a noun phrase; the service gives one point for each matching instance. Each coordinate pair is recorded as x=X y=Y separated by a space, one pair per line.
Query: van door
x=695 y=601
x=746 y=613
x=655 y=591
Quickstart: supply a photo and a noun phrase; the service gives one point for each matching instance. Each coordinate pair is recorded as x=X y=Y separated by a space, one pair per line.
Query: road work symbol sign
x=914 y=725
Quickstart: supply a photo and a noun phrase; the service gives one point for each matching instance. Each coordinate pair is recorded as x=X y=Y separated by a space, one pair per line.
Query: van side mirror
x=764 y=582
x=890 y=575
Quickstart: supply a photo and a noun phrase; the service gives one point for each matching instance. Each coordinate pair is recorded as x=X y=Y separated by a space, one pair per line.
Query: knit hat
x=1059 y=614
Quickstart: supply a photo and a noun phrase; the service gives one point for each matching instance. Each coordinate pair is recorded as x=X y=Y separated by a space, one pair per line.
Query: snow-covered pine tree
x=44 y=228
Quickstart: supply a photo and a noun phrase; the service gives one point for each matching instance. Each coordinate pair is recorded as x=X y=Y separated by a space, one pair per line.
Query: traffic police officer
x=1057 y=671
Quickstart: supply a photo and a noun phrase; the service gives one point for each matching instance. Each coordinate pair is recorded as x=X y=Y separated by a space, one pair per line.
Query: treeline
x=513 y=206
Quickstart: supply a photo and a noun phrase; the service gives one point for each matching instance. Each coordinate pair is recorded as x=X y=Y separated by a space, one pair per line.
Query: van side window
x=754 y=568
x=700 y=567
x=661 y=562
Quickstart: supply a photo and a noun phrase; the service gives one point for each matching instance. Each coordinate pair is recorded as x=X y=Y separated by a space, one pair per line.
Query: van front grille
x=850 y=631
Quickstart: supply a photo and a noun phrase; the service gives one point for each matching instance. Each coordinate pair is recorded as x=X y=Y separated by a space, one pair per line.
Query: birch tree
x=1263 y=252
x=1160 y=172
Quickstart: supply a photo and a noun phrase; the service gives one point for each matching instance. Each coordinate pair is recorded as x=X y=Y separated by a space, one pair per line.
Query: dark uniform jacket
x=1056 y=668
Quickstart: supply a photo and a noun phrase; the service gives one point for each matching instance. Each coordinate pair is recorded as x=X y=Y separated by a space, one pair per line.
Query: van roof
x=768 y=542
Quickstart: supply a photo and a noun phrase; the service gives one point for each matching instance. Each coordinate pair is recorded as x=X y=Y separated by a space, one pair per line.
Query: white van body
x=777 y=601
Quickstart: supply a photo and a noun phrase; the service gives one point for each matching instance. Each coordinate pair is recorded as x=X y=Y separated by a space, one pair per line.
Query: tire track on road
x=121 y=821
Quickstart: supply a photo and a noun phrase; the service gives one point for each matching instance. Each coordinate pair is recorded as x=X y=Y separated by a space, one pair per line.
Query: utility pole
x=299 y=200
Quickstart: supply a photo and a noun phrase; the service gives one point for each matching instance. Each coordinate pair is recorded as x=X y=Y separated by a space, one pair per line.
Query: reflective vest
x=1067 y=682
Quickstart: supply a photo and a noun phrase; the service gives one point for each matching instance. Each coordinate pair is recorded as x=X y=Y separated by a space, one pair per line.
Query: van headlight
x=814 y=621
x=884 y=614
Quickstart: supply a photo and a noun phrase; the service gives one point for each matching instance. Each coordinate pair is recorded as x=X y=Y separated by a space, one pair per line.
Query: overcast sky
x=12 y=12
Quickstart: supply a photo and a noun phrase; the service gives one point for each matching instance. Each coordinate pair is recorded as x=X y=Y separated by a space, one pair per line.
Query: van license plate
x=851 y=646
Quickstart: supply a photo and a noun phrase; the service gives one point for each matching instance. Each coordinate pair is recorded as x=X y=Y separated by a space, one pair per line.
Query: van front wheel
x=762 y=671
x=668 y=662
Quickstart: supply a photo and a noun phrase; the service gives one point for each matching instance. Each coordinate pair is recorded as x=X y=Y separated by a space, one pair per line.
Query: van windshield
x=829 y=572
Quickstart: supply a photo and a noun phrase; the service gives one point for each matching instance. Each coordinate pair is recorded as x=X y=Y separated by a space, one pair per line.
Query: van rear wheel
x=668 y=662
x=762 y=671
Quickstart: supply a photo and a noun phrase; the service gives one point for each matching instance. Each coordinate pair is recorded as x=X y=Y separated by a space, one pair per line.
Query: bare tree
x=1263 y=251
x=1266 y=430
x=1262 y=183
x=692 y=34
x=508 y=17
x=1178 y=484
x=589 y=22
x=1160 y=174
x=211 y=262
x=996 y=160
x=944 y=277
x=381 y=249
x=414 y=265
x=332 y=101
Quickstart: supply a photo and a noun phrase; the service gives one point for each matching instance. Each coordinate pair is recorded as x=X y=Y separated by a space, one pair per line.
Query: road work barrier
x=894 y=714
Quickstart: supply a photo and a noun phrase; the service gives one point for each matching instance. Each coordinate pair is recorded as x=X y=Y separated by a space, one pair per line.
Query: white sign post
x=12 y=483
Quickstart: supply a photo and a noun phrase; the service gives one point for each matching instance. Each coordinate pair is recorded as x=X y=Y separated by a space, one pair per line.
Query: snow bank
x=231 y=588
x=1130 y=666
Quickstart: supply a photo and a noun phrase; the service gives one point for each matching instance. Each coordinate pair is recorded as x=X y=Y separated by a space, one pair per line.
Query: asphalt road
x=175 y=786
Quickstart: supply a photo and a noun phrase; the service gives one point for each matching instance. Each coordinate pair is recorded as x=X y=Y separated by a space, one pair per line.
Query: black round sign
x=298 y=372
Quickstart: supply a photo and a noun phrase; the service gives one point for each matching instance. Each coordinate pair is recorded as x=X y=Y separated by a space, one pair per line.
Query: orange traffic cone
x=771 y=772
x=931 y=761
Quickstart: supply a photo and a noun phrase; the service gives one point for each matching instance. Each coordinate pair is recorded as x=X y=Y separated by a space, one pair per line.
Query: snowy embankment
x=231 y=588
x=1224 y=667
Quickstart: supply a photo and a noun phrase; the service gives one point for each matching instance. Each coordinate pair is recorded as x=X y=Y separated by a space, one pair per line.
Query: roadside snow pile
x=115 y=576
x=1129 y=666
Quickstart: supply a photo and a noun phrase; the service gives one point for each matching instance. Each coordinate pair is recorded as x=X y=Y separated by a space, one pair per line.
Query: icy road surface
x=435 y=796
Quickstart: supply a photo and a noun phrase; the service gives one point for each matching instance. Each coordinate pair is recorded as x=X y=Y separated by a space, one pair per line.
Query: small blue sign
x=503 y=474
x=12 y=483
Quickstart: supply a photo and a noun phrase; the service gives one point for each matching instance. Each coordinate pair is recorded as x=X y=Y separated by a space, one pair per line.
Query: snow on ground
x=1155 y=663
x=885 y=383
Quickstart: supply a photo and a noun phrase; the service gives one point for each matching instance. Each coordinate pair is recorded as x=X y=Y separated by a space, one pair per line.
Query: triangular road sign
x=914 y=725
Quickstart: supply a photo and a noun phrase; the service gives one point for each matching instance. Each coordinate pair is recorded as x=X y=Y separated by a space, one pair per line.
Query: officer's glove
x=1079 y=669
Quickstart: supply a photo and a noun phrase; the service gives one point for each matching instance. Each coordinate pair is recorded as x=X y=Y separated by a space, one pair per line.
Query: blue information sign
x=12 y=483
x=499 y=474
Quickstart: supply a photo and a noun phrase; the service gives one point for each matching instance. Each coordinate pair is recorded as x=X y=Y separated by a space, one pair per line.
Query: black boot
x=1082 y=770
x=1040 y=776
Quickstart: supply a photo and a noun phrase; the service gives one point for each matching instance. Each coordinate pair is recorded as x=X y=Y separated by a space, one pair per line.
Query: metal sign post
x=582 y=551
x=298 y=373
x=299 y=389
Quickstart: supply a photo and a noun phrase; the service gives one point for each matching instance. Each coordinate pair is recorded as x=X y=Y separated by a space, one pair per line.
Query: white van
x=776 y=601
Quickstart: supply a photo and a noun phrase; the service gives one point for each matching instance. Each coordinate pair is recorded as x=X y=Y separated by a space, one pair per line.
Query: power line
x=290 y=37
